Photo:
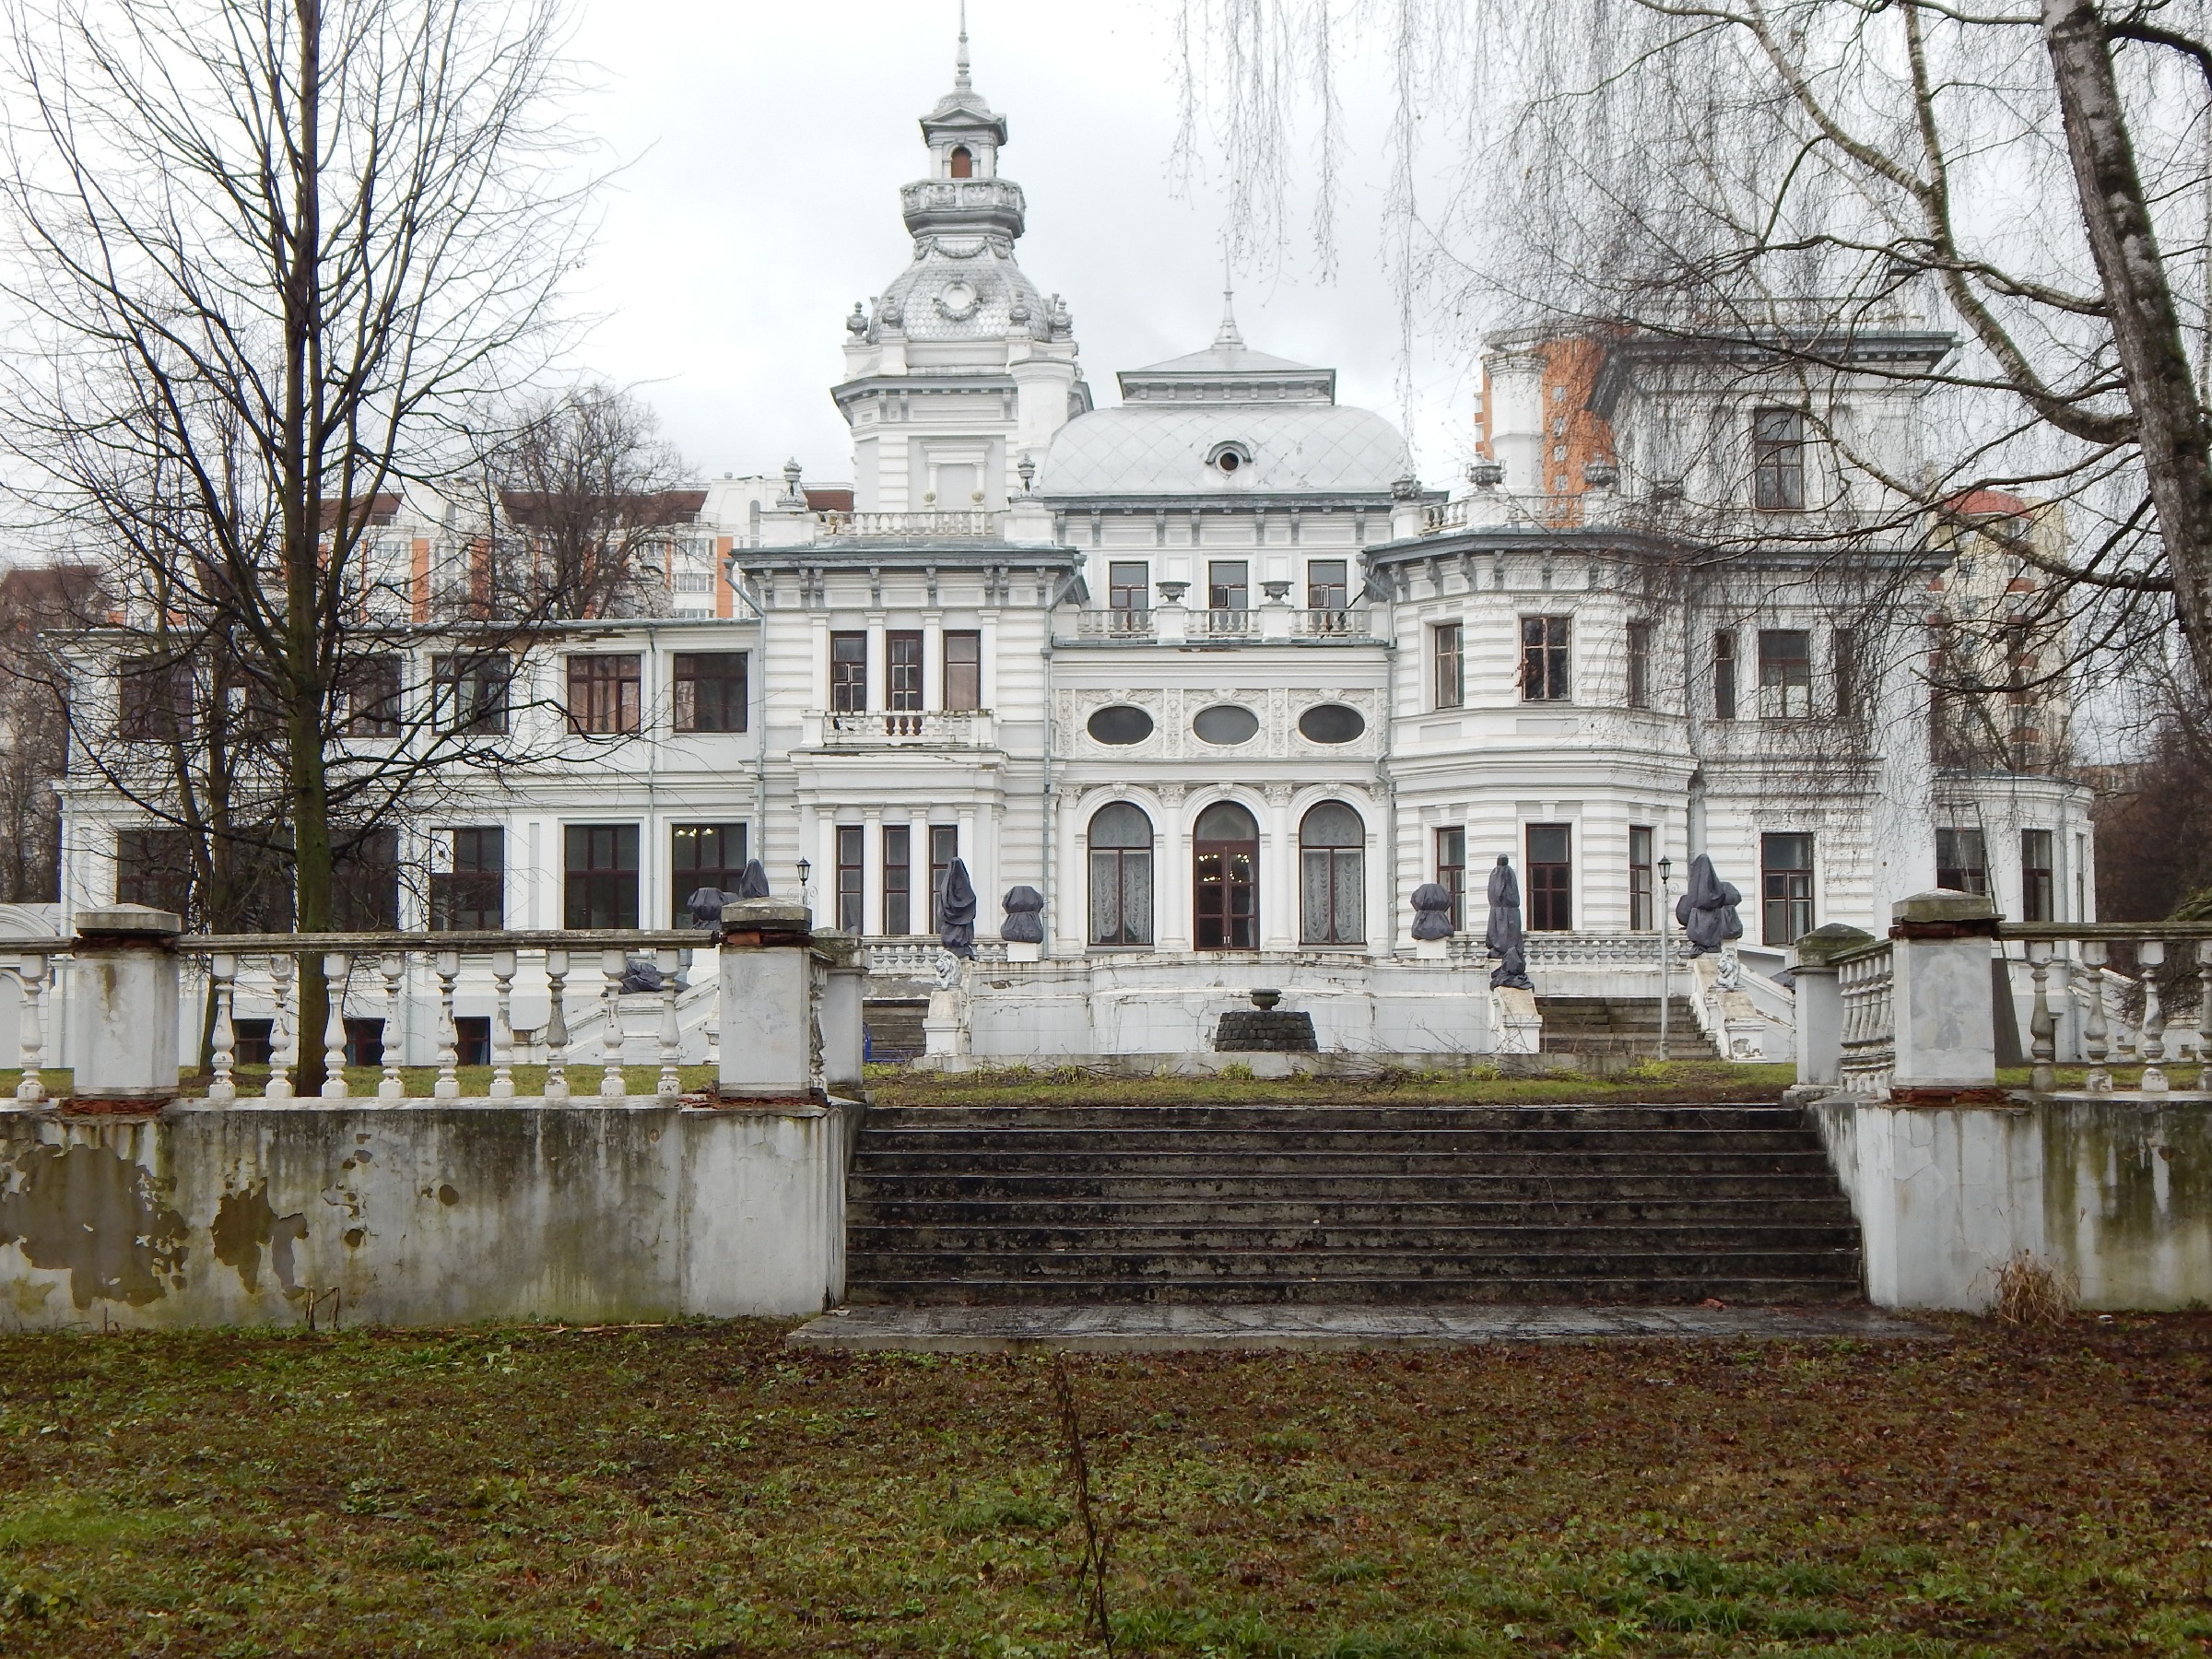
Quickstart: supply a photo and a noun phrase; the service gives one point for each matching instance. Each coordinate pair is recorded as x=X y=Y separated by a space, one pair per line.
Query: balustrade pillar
x=1947 y=1041
x=126 y=992
x=844 y=979
x=769 y=997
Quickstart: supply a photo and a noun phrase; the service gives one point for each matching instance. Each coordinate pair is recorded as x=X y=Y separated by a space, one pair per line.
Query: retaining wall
x=2114 y=1191
x=427 y=1213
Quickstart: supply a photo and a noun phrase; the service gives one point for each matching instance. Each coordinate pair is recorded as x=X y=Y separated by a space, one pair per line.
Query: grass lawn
x=699 y=1489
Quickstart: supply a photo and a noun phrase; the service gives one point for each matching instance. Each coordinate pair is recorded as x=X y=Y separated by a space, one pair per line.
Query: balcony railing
x=1348 y=623
x=1226 y=624
x=919 y=728
x=580 y=975
x=2101 y=998
x=1114 y=624
x=917 y=526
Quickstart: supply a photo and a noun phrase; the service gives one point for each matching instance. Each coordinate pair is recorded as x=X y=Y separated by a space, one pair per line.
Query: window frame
x=154 y=697
x=487 y=678
x=1547 y=658
x=595 y=884
x=1122 y=869
x=1778 y=447
x=1339 y=922
x=2039 y=879
x=1317 y=592
x=849 y=672
x=850 y=888
x=1725 y=666
x=1786 y=890
x=903 y=680
x=142 y=880
x=1976 y=874
x=1451 y=845
x=1644 y=892
x=375 y=691
x=963 y=679
x=688 y=871
x=731 y=671
x=470 y=896
x=898 y=898
x=1638 y=642
x=613 y=699
x=1785 y=682
x=1448 y=659
x=1550 y=895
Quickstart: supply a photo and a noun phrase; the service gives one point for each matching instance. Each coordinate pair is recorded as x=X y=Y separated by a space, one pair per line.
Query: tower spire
x=1228 y=337
x=960 y=82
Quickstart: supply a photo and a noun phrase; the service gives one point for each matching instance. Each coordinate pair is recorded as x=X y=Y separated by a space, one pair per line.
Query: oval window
x=1331 y=723
x=1226 y=725
x=1120 y=725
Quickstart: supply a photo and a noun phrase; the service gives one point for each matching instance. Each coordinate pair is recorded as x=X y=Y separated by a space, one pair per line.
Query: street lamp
x=804 y=898
x=1667 y=869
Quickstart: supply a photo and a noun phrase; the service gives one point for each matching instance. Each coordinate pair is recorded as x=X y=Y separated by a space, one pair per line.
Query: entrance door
x=1225 y=848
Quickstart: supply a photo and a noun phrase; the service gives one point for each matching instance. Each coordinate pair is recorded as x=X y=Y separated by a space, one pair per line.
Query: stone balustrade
x=2071 y=961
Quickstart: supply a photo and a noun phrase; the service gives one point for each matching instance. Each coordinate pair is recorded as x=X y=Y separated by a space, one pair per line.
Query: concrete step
x=1385 y=1290
x=1345 y=1204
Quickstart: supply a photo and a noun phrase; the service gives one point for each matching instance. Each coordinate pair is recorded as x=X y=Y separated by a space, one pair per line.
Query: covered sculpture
x=955 y=929
x=706 y=906
x=753 y=884
x=1503 y=935
x=1431 y=911
x=1025 y=917
x=1707 y=909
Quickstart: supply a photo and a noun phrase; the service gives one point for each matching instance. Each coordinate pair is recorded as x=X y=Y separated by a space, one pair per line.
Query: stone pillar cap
x=1944 y=904
x=129 y=919
x=1832 y=940
x=777 y=914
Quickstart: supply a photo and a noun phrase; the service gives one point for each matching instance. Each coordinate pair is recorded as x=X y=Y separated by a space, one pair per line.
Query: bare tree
x=269 y=253
x=34 y=721
x=586 y=497
x=1801 y=175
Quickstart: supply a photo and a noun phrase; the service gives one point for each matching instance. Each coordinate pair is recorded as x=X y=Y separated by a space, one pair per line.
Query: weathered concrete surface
x=2115 y=1192
x=429 y=1213
x=1180 y=1327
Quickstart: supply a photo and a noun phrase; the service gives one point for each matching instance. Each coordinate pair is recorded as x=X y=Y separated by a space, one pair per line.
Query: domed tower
x=962 y=368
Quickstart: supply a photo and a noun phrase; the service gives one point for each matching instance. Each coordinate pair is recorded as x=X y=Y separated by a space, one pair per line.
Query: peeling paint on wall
x=243 y=1223
x=88 y=1211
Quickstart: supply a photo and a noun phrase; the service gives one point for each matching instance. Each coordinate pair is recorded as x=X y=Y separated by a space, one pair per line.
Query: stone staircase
x=1345 y=1204
x=894 y=1029
x=1620 y=1024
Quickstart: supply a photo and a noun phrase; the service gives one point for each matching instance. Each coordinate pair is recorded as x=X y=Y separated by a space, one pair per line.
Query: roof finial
x=1228 y=336
x=961 y=83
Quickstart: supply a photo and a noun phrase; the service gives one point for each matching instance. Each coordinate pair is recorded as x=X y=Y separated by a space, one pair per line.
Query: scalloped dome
x=965 y=289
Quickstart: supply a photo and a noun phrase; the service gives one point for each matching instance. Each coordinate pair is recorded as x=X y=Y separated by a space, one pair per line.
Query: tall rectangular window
x=1328 y=584
x=605 y=694
x=371 y=688
x=1229 y=584
x=712 y=693
x=904 y=684
x=848 y=673
x=154 y=867
x=1724 y=675
x=1451 y=870
x=1447 y=653
x=851 y=877
x=468 y=692
x=600 y=875
x=702 y=855
x=472 y=896
x=963 y=672
x=155 y=699
x=1786 y=673
x=1551 y=877
x=898 y=880
x=2038 y=877
x=365 y=884
x=1543 y=659
x=1640 y=664
x=1642 y=911
x=1961 y=861
x=1778 y=461
x=1843 y=660
x=1785 y=875
x=1129 y=586
x=943 y=847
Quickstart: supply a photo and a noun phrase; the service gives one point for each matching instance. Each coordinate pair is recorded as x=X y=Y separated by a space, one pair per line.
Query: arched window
x=1121 y=875
x=1225 y=851
x=963 y=164
x=1332 y=876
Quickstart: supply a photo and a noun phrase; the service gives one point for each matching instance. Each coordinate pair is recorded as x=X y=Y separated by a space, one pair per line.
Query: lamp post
x=806 y=897
x=1666 y=869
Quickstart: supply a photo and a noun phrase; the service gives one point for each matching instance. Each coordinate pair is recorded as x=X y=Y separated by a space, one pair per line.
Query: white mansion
x=1214 y=674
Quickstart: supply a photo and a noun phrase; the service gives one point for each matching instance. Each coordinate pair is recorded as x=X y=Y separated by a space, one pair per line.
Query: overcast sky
x=765 y=145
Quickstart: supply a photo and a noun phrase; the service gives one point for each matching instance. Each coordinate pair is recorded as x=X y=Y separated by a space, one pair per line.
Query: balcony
x=918 y=729
x=1270 y=623
x=915 y=526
